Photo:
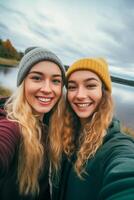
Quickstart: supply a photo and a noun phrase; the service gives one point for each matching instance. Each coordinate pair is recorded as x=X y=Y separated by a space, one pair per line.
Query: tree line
x=7 y=50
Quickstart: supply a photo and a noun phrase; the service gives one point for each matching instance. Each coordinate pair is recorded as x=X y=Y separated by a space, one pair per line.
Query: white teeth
x=44 y=99
x=83 y=105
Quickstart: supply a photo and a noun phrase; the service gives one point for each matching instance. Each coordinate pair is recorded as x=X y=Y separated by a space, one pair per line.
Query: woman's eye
x=71 y=87
x=56 y=81
x=37 y=78
x=91 y=86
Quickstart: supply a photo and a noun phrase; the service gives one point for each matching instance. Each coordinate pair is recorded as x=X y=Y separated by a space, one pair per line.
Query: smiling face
x=84 y=92
x=43 y=86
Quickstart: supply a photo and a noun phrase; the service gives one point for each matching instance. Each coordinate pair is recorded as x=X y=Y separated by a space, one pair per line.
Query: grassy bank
x=128 y=131
x=8 y=62
x=5 y=91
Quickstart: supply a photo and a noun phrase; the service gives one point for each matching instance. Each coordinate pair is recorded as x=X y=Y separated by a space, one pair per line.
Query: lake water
x=123 y=95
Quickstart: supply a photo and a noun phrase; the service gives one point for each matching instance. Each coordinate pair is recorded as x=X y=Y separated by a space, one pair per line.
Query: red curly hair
x=86 y=140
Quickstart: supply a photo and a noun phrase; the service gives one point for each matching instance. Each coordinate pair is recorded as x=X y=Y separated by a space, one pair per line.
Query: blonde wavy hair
x=91 y=135
x=32 y=151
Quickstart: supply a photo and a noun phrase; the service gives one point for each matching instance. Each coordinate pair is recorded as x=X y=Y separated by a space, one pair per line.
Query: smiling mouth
x=44 y=100
x=83 y=105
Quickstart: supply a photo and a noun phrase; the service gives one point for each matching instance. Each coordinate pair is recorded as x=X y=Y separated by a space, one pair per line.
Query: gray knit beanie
x=32 y=56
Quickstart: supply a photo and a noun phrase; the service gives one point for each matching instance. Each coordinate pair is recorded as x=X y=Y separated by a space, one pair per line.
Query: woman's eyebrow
x=71 y=81
x=86 y=80
x=91 y=79
x=35 y=72
x=56 y=75
x=40 y=73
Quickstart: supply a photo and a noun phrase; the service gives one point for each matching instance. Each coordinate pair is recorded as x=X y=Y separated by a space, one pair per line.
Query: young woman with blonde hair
x=98 y=160
x=29 y=127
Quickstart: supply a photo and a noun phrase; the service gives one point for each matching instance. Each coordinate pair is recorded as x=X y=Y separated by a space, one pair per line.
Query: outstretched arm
x=118 y=181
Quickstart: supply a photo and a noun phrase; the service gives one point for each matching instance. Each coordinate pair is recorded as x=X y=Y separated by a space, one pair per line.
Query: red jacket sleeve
x=9 y=141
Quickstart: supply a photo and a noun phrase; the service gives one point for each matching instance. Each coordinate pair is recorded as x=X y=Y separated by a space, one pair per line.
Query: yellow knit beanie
x=96 y=65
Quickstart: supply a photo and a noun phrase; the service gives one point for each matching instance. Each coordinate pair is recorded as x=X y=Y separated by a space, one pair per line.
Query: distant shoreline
x=12 y=63
x=4 y=62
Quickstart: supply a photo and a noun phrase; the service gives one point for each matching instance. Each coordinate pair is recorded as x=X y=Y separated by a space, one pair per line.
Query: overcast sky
x=74 y=29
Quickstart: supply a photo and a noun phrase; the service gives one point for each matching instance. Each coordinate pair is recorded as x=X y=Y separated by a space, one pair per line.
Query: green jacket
x=110 y=172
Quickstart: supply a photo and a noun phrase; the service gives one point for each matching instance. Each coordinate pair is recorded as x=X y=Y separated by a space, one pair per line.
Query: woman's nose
x=81 y=93
x=46 y=86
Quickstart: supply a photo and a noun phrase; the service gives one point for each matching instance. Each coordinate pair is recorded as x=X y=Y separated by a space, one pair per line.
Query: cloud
x=117 y=30
x=73 y=29
x=3 y=28
x=44 y=31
